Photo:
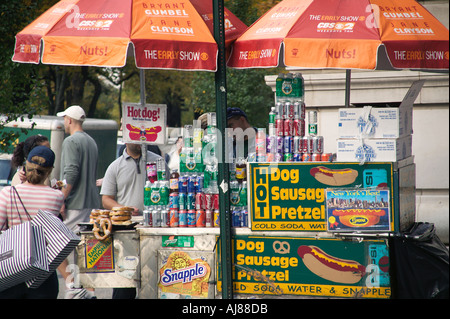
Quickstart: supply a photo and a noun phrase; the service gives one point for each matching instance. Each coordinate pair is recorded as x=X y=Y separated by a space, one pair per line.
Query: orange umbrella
x=166 y=34
x=345 y=34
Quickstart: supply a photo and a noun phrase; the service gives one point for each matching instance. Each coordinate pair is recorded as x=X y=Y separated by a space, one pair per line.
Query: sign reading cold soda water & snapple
x=310 y=267
x=292 y=196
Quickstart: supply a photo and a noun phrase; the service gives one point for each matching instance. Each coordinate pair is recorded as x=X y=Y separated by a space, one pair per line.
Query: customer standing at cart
x=79 y=158
x=242 y=140
x=31 y=196
x=123 y=185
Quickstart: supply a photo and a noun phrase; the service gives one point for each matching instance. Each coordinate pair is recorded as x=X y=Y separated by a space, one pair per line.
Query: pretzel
x=102 y=225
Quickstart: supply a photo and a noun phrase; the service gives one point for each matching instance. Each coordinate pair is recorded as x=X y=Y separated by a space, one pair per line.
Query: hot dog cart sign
x=310 y=266
x=144 y=124
x=292 y=196
x=350 y=210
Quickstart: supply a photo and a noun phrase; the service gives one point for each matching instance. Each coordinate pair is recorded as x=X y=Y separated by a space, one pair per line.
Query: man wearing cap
x=79 y=158
x=243 y=133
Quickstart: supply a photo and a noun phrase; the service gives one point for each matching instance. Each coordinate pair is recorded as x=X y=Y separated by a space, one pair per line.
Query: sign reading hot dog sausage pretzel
x=310 y=267
x=144 y=124
x=292 y=196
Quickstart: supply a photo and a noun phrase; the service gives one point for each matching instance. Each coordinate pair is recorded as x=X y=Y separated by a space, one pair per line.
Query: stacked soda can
x=190 y=206
x=283 y=141
x=238 y=203
x=287 y=140
x=156 y=197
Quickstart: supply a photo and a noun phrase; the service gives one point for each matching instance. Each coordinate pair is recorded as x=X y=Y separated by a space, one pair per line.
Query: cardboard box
x=374 y=150
x=380 y=122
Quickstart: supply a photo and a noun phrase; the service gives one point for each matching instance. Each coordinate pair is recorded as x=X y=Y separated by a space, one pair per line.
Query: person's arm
x=71 y=165
x=109 y=202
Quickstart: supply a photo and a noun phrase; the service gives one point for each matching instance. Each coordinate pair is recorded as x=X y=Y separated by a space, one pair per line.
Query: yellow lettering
x=275 y=195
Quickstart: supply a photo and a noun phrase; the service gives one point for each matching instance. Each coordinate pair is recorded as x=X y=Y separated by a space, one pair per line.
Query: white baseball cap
x=75 y=111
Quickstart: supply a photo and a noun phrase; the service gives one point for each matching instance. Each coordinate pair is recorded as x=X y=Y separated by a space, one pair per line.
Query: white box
x=374 y=150
x=380 y=122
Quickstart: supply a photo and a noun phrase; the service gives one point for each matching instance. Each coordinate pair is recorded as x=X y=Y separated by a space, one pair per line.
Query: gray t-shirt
x=79 y=158
x=125 y=182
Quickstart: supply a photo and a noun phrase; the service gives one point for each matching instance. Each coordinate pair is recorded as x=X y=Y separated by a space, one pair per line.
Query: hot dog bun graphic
x=334 y=177
x=329 y=267
x=359 y=217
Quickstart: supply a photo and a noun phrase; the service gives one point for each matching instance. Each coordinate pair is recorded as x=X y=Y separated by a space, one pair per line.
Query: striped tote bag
x=60 y=243
x=23 y=254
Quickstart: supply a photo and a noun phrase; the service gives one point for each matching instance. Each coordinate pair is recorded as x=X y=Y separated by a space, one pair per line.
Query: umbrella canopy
x=349 y=34
x=166 y=34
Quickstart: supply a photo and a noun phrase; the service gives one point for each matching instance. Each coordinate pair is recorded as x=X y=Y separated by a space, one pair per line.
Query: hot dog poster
x=144 y=124
x=310 y=267
x=350 y=210
x=292 y=196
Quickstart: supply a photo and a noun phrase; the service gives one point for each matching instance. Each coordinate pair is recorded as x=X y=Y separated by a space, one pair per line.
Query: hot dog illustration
x=359 y=217
x=329 y=267
x=142 y=133
x=334 y=177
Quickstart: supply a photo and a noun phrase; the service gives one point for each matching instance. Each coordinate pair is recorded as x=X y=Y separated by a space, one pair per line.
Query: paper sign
x=144 y=124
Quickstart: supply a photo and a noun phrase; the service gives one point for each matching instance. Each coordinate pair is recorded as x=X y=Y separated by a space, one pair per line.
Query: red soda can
x=310 y=145
x=327 y=157
x=208 y=201
x=174 y=217
x=289 y=110
x=288 y=127
x=304 y=144
x=182 y=218
x=279 y=127
x=209 y=216
x=200 y=218
x=215 y=201
x=191 y=218
x=306 y=157
x=316 y=157
x=200 y=201
x=299 y=127
x=318 y=144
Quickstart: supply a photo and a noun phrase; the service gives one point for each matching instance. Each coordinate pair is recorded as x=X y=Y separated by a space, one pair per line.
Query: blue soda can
x=297 y=157
x=236 y=218
x=191 y=183
x=199 y=184
x=191 y=222
x=287 y=144
x=182 y=201
x=280 y=145
x=182 y=218
x=244 y=218
x=173 y=201
x=190 y=201
x=182 y=184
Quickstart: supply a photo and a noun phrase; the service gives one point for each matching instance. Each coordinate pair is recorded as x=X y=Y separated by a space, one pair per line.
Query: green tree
x=19 y=83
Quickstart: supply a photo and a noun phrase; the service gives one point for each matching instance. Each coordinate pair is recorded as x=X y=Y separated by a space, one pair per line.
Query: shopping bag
x=61 y=241
x=23 y=254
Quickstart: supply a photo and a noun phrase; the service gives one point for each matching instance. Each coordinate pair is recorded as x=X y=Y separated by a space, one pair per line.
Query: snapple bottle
x=174 y=175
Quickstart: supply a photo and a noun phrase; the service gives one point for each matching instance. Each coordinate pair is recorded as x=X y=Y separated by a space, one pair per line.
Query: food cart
x=301 y=229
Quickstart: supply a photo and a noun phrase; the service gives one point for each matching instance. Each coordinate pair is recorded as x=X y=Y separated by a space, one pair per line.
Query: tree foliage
x=28 y=89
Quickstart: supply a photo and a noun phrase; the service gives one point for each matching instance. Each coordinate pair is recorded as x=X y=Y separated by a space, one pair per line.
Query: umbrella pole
x=348 y=77
x=226 y=260
x=142 y=88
